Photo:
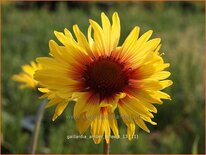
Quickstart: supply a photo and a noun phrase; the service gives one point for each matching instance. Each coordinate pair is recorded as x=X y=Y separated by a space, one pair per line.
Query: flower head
x=26 y=76
x=103 y=76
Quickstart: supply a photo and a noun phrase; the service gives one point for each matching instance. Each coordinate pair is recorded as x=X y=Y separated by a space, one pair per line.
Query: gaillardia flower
x=26 y=76
x=103 y=76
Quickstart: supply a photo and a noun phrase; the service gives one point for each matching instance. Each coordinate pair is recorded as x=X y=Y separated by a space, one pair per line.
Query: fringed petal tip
x=54 y=117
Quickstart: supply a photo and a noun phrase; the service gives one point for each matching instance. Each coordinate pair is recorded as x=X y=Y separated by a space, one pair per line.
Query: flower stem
x=106 y=147
x=37 y=127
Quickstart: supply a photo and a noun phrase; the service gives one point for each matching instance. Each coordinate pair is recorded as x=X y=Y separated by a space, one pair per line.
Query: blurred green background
x=28 y=26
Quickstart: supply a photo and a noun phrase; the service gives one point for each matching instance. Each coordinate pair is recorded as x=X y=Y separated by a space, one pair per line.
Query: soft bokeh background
x=26 y=30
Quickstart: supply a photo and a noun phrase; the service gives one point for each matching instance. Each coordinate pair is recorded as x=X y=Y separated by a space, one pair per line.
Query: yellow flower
x=103 y=76
x=26 y=76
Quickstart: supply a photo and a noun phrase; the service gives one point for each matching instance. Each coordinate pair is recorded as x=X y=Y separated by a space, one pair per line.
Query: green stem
x=37 y=127
x=106 y=147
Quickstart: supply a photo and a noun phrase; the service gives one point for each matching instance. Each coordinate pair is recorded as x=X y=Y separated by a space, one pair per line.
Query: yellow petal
x=143 y=39
x=92 y=111
x=149 y=106
x=115 y=32
x=82 y=41
x=107 y=33
x=147 y=119
x=145 y=96
x=97 y=129
x=61 y=37
x=107 y=129
x=132 y=106
x=54 y=49
x=111 y=103
x=126 y=117
x=79 y=106
x=28 y=69
x=161 y=95
x=53 y=102
x=43 y=90
x=130 y=131
x=151 y=45
x=141 y=124
x=147 y=84
x=59 y=110
x=157 y=49
x=161 y=75
x=129 y=43
x=166 y=83
x=113 y=124
x=92 y=108
x=82 y=123
x=98 y=37
x=68 y=34
x=51 y=63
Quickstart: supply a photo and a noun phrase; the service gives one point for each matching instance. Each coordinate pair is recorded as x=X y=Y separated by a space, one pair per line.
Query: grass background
x=26 y=31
